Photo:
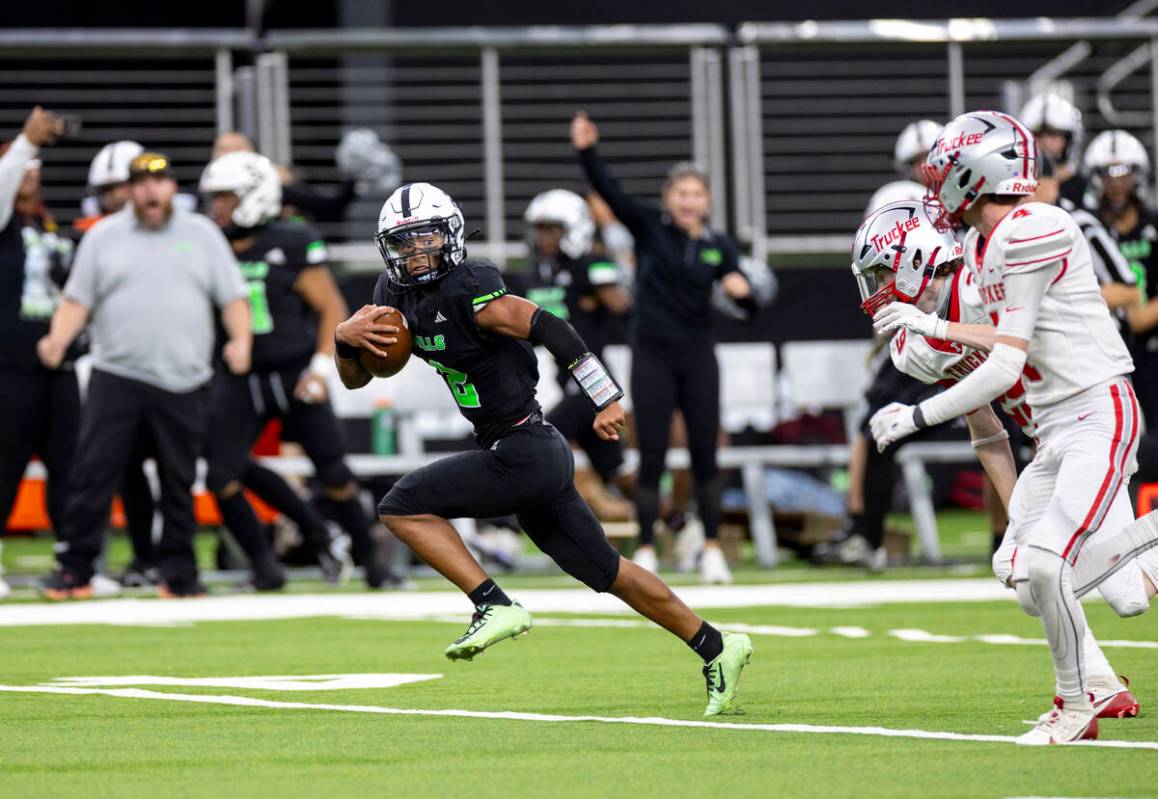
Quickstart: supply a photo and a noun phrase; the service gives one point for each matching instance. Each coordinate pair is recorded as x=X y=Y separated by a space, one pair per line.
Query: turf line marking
x=509 y=715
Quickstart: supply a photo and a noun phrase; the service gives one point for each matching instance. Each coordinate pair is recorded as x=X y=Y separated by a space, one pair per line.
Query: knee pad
x=1025 y=598
x=336 y=473
x=1125 y=592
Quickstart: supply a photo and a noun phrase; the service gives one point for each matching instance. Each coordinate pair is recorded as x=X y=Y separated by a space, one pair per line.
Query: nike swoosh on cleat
x=722 y=686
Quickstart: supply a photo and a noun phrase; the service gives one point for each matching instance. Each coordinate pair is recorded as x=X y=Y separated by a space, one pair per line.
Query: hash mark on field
x=508 y=715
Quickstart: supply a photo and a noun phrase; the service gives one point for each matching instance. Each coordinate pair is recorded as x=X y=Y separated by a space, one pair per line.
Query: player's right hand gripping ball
x=397 y=354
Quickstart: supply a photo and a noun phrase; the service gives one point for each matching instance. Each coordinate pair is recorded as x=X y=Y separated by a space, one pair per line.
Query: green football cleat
x=489 y=625
x=723 y=674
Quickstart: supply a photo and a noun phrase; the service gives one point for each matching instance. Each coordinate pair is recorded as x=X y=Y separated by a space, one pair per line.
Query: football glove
x=896 y=315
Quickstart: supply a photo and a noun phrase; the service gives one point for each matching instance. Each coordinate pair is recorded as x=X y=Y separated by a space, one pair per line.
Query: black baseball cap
x=151 y=164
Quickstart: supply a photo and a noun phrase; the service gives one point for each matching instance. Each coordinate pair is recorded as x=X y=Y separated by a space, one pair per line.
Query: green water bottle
x=384 y=439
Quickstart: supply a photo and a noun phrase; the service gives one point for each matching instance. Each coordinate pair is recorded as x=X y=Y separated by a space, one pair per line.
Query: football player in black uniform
x=479 y=338
x=295 y=306
x=570 y=282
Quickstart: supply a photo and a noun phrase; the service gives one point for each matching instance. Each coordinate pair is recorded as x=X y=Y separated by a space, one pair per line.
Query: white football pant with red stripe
x=1067 y=494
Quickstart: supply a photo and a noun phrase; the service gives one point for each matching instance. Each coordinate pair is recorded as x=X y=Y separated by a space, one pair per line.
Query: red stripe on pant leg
x=1108 y=479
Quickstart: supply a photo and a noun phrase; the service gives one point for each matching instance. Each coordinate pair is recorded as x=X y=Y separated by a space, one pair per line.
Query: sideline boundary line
x=507 y=715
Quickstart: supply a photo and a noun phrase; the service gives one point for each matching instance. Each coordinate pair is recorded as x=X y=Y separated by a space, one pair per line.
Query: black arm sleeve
x=629 y=210
x=558 y=337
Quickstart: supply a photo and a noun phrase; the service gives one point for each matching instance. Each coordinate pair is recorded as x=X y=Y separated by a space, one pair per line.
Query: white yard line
x=423 y=604
x=242 y=701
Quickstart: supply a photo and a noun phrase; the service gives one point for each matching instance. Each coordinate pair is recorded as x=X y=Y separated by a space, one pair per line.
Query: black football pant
x=116 y=413
x=574 y=417
x=39 y=415
x=530 y=473
x=241 y=407
x=664 y=377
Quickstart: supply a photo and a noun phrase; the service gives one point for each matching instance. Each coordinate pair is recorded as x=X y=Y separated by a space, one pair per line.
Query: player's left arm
x=519 y=318
x=316 y=286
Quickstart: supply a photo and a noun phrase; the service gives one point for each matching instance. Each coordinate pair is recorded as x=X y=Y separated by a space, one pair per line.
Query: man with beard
x=146 y=280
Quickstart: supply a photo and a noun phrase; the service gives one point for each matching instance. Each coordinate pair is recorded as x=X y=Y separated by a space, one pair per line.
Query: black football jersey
x=491 y=378
x=284 y=325
x=564 y=285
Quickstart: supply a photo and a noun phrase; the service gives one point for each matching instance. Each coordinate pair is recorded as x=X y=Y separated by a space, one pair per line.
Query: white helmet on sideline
x=253 y=179
x=896 y=252
x=420 y=219
x=111 y=165
x=1052 y=112
x=978 y=153
x=1113 y=153
x=896 y=191
x=915 y=141
x=566 y=208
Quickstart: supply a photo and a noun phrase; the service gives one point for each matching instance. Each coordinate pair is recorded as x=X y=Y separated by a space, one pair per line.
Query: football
x=397 y=354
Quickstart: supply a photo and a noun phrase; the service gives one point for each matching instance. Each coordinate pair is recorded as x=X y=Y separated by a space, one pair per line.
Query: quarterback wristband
x=345 y=351
x=978 y=443
x=595 y=381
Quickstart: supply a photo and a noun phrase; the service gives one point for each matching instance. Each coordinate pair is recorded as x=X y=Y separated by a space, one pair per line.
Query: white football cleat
x=689 y=544
x=5 y=589
x=1112 y=699
x=713 y=567
x=646 y=559
x=104 y=586
x=1062 y=725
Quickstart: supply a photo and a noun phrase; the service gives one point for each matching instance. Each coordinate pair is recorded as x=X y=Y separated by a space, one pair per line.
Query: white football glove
x=901 y=314
x=892 y=423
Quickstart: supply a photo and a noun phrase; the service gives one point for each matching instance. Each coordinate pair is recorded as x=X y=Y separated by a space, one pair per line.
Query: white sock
x=1098 y=669
x=1064 y=623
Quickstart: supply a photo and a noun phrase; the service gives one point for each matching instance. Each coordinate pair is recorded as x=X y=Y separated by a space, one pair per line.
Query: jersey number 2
x=464 y=392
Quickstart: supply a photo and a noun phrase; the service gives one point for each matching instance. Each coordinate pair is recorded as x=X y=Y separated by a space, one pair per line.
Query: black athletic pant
x=139 y=504
x=529 y=472
x=241 y=407
x=115 y=413
x=574 y=417
x=666 y=376
x=39 y=415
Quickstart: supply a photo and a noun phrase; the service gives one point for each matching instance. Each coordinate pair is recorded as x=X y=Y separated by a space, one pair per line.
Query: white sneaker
x=1062 y=726
x=5 y=589
x=645 y=558
x=689 y=544
x=713 y=567
x=104 y=586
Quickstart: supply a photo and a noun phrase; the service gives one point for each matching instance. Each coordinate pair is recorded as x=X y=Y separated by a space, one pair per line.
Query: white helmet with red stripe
x=982 y=152
x=897 y=250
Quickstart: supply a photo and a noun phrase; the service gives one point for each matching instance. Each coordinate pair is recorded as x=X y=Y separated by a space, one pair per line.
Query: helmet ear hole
x=965 y=179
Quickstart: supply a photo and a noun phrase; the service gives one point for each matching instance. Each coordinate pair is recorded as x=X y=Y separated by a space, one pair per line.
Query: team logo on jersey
x=711 y=256
x=431 y=343
x=439 y=318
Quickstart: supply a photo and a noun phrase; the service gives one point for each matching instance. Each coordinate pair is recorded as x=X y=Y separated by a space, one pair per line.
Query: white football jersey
x=1075 y=343
x=935 y=361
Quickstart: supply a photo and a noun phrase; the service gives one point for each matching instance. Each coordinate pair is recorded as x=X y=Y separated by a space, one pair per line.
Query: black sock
x=488 y=593
x=272 y=488
x=352 y=518
x=244 y=526
x=708 y=643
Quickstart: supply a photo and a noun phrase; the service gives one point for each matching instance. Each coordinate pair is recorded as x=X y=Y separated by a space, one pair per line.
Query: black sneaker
x=138 y=576
x=267 y=575
x=62 y=585
x=182 y=589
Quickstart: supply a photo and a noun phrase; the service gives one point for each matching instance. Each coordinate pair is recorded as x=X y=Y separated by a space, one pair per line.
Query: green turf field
x=100 y=745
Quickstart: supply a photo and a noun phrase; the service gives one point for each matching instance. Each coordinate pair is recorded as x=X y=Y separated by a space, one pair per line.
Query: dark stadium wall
x=292 y=14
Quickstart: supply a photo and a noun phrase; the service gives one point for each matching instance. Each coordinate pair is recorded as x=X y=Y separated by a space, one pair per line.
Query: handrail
x=530 y=37
x=945 y=31
x=156 y=41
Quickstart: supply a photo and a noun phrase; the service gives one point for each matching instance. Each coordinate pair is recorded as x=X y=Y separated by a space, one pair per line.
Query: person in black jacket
x=672 y=333
x=39 y=407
